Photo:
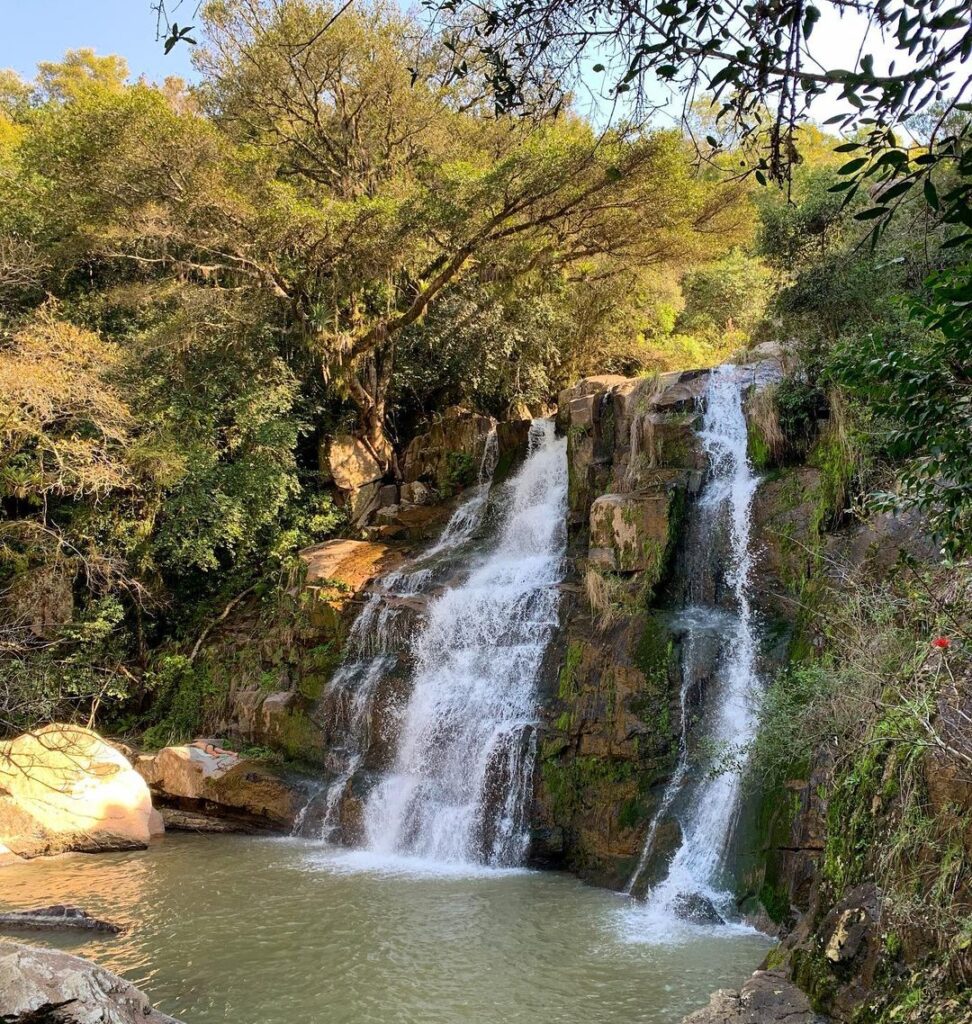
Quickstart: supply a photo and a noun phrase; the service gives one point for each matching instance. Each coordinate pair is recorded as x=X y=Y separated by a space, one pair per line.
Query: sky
x=37 y=30
x=41 y=30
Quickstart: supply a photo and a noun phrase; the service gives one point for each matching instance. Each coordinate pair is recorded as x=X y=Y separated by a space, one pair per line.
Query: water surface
x=272 y=931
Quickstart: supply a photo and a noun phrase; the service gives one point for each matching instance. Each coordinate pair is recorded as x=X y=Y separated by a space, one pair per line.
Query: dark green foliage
x=180 y=691
x=800 y=405
x=917 y=380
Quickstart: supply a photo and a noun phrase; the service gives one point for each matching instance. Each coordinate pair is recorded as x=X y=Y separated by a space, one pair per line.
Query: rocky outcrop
x=64 y=788
x=768 y=997
x=447 y=456
x=202 y=777
x=356 y=474
x=274 y=676
x=631 y=532
x=48 y=985
x=609 y=738
x=336 y=572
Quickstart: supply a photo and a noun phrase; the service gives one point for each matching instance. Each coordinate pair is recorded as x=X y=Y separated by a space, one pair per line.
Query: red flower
x=942 y=642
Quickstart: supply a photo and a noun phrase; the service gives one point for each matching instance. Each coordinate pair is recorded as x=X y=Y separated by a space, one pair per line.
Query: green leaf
x=872 y=214
x=853 y=165
x=895 y=190
x=931 y=194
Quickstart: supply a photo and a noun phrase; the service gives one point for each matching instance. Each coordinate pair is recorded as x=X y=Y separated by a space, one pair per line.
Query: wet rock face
x=69 y=989
x=609 y=736
x=766 y=998
x=839 y=965
x=64 y=788
x=604 y=748
x=448 y=455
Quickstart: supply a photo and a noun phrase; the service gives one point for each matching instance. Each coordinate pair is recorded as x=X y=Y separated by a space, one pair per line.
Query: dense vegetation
x=199 y=287
x=336 y=232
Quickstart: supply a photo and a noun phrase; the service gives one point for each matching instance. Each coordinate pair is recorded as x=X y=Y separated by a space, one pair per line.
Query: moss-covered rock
x=631 y=532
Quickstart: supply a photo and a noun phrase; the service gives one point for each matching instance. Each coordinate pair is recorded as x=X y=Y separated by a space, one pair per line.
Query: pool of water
x=274 y=931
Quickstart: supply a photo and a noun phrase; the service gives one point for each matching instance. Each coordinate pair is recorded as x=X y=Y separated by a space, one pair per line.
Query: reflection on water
x=270 y=931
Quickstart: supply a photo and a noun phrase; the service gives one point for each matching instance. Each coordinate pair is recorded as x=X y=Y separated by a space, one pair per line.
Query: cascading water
x=717 y=606
x=376 y=640
x=474 y=629
x=460 y=785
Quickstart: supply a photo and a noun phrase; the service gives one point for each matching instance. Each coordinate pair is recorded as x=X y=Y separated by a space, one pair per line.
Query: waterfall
x=460 y=785
x=376 y=641
x=716 y=605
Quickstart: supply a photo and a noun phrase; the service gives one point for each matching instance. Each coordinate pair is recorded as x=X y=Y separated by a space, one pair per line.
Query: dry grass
x=765 y=417
x=643 y=452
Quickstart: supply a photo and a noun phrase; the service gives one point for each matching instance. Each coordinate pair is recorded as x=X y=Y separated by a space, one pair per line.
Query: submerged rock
x=694 y=907
x=48 y=985
x=58 y=916
x=767 y=998
x=64 y=788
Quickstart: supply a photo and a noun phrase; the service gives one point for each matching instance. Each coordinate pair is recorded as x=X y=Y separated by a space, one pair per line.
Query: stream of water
x=719 y=636
x=460 y=785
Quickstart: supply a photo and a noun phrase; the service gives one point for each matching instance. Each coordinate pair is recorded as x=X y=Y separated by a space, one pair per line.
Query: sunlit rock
x=64 y=788
x=222 y=782
x=34 y=979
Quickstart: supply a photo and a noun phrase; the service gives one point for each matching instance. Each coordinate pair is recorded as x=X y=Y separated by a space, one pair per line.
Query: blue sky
x=36 y=30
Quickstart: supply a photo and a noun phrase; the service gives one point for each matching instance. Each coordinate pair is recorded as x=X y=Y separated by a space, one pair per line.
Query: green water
x=270 y=931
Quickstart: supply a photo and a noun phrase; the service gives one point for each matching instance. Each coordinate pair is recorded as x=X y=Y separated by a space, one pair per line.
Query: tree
x=79 y=71
x=765 y=67
x=406 y=186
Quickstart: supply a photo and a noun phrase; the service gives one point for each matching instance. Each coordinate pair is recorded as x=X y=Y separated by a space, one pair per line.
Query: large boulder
x=766 y=998
x=64 y=788
x=350 y=464
x=356 y=473
x=630 y=532
x=72 y=990
x=202 y=775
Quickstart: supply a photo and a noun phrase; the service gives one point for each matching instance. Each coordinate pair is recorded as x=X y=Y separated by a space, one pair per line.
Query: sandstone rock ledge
x=69 y=989
x=766 y=998
x=203 y=781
